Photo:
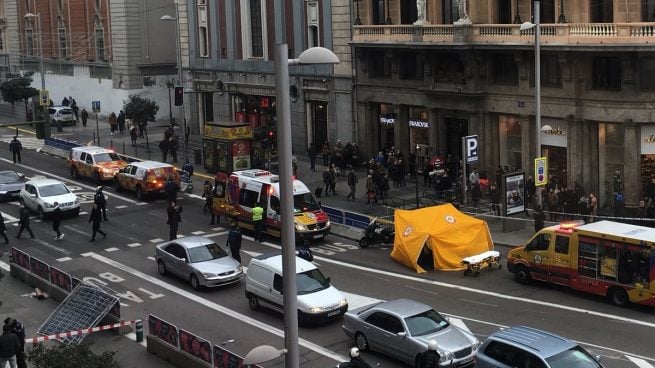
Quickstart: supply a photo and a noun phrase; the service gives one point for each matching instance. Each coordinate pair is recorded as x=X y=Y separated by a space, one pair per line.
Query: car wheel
x=522 y=274
x=365 y=242
x=161 y=268
x=74 y=173
x=618 y=296
x=195 y=284
x=417 y=361
x=361 y=341
x=139 y=193
x=40 y=213
x=117 y=185
x=97 y=178
x=253 y=302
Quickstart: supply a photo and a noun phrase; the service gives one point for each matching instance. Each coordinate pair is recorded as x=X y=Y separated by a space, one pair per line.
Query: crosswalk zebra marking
x=641 y=363
x=64 y=259
x=112 y=249
x=134 y=245
x=199 y=232
x=121 y=207
x=158 y=240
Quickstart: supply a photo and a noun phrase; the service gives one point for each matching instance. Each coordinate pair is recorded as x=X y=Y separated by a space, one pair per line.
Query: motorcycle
x=377 y=233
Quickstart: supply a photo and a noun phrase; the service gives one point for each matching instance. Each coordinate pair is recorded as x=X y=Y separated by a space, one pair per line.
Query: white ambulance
x=248 y=187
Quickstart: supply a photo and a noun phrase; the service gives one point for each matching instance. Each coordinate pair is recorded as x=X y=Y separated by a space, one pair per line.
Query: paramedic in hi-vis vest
x=258 y=221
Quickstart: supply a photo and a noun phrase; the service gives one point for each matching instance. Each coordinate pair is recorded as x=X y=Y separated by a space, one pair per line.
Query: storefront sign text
x=419 y=124
x=387 y=120
x=649 y=139
x=241 y=132
x=556 y=131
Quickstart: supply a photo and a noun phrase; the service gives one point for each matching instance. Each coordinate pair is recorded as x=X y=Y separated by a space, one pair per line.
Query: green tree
x=140 y=109
x=70 y=356
x=18 y=89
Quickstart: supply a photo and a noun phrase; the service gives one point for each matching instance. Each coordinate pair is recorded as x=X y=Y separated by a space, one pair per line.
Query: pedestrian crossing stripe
x=134 y=245
x=31 y=143
x=112 y=249
x=158 y=240
x=641 y=363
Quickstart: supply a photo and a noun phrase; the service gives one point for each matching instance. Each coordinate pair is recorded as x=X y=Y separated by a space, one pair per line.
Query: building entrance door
x=319 y=128
x=455 y=130
x=557 y=165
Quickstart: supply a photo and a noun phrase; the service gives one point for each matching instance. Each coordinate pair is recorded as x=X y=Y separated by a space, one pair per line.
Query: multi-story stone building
x=230 y=59
x=97 y=49
x=430 y=83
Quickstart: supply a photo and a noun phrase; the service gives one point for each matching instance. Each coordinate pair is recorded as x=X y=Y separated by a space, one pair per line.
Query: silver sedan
x=402 y=328
x=199 y=260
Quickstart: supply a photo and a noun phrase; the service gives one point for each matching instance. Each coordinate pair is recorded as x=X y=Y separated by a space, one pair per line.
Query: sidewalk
x=398 y=197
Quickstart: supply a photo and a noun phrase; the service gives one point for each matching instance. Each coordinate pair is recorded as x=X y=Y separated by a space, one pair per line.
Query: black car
x=10 y=185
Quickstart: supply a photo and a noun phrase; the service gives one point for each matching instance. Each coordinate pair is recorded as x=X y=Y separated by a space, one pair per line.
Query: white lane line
x=120 y=207
x=8 y=217
x=83 y=213
x=46 y=244
x=252 y=254
x=193 y=196
x=215 y=234
x=141 y=203
x=87 y=254
x=158 y=240
x=134 y=245
x=356 y=300
x=478 y=302
x=151 y=258
x=112 y=249
x=199 y=232
x=64 y=259
x=639 y=362
x=218 y=228
x=219 y=308
x=67 y=180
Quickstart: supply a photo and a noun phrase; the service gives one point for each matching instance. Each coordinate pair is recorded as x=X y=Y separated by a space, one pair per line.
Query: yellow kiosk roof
x=448 y=233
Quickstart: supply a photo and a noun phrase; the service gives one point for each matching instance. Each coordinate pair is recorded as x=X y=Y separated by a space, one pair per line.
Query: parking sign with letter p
x=471 y=149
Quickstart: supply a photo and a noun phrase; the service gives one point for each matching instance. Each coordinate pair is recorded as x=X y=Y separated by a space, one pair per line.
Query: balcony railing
x=567 y=33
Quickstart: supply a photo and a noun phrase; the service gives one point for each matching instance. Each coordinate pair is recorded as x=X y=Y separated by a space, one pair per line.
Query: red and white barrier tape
x=79 y=332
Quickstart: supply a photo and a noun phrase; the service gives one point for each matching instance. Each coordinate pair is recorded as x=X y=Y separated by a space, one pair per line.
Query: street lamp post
x=314 y=55
x=537 y=78
x=416 y=152
x=178 y=46
x=38 y=24
x=358 y=20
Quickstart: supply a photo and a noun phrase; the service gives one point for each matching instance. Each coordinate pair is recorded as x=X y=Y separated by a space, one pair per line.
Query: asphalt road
x=124 y=262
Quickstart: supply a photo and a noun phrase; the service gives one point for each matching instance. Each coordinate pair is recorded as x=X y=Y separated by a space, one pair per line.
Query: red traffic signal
x=179 y=96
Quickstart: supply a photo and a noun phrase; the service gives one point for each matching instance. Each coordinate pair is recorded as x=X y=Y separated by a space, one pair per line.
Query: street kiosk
x=227 y=147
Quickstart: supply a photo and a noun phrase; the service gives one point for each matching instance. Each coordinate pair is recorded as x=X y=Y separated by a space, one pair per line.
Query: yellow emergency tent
x=449 y=234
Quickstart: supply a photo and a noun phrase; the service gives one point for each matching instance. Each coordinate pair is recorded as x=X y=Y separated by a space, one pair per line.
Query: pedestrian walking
x=325 y=153
x=56 y=221
x=494 y=193
x=3 y=230
x=333 y=179
x=370 y=190
x=172 y=147
x=539 y=218
x=311 y=153
x=171 y=189
x=174 y=219
x=163 y=147
x=15 y=147
x=24 y=222
x=10 y=346
x=593 y=206
x=121 y=122
x=258 y=221
x=100 y=200
x=85 y=116
x=429 y=358
x=327 y=181
x=234 y=241
x=18 y=329
x=95 y=219
x=352 y=184
x=188 y=168
x=206 y=192
x=113 y=122
x=66 y=102
x=76 y=111
x=134 y=134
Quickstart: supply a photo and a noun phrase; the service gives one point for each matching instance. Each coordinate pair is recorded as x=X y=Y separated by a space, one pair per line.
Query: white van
x=318 y=301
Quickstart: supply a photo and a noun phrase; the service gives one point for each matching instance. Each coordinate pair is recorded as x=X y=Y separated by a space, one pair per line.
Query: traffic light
x=179 y=96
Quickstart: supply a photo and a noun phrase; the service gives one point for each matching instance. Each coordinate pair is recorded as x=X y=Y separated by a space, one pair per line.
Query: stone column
x=575 y=148
x=631 y=165
x=401 y=130
x=434 y=133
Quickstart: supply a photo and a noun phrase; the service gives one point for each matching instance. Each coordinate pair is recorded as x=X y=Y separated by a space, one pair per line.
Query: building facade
x=97 y=49
x=229 y=46
x=469 y=70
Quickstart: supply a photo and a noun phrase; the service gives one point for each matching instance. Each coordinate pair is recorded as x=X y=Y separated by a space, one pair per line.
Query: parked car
x=198 y=260
x=61 y=115
x=39 y=195
x=401 y=328
x=528 y=347
x=10 y=185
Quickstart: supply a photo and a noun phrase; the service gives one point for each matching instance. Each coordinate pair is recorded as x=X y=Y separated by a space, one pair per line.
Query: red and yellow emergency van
x=605 y=258
x=97 y=163
x=246 y=188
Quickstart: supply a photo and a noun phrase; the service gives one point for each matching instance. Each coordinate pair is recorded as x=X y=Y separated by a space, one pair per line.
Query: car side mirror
x=183 y=260
x=402 y=334
x=328 y=279
x=32 y=195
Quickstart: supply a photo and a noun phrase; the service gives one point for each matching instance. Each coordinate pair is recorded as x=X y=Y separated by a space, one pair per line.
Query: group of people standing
x=341 y=156
x=12 y=344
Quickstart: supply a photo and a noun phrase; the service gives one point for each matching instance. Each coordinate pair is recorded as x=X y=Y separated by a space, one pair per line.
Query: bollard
x=94 y=137
x=139 y=330
x=124 y=152
x=111 y=143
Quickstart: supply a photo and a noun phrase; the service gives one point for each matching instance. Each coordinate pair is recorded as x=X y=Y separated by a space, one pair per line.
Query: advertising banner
x=514 y=193
x=227 y=359
x=61 y=279
x=196 y=346
x=40 y=268
x=20 y=258
x=241 y=155
x=163 y=330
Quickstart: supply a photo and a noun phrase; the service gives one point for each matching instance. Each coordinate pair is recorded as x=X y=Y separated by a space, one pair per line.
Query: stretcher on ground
x=480 y=261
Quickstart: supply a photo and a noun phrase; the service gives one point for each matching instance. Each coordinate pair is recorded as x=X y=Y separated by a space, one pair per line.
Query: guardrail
x=62 y=144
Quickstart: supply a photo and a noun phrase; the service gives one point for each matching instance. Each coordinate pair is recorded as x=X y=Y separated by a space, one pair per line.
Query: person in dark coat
x=311 y=153
x=171 y=189
x=95 y=219
x=3 y=230
x=100 y=200
x=539 y=218
x=24 y=222
x=234 y=241
x=327 y=181
x=56 y=221
x=15 y=147
x=172 y=147
x=17 y=329
x=174 y=219
x=429 y=358
x=163 y=147
x=10 y=347
x=121 y=122
x=85 y=116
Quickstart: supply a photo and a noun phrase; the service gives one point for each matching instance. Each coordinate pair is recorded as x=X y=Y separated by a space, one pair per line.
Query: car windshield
x=304 y=202
x=311 y=281
x=426 y=323
x=106 y=157
x=574 y=357
x=8 y=177
x=206 y=253
x=51 y=190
